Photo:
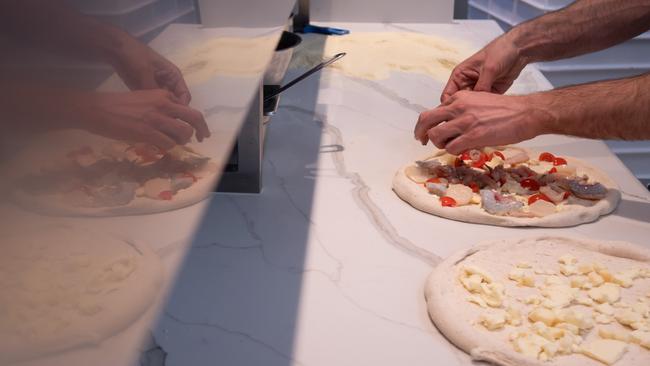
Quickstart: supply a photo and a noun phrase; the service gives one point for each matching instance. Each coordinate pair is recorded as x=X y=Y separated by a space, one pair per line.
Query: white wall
x=395 y=11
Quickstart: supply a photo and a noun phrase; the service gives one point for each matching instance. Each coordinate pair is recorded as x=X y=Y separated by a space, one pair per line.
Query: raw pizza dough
x=62 y=287
x=223 y=56
x=457 y=318
x=50 y=149
x=373 y=55
x=582 y=211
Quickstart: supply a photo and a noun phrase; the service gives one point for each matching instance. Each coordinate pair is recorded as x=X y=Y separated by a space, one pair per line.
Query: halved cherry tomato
x=447 y=201
x=166 y=195
x=553 y=170
x=536 y=197
x=530 y=184
x=474 y=186
x=499 y=154
x=546 y=156
x=559 y=161
x=483 y=158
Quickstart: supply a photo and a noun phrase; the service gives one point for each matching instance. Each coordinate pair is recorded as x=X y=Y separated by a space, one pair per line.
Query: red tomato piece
x=567 y=195
x=536 y=197
x=465 y=155
x=446 y=201
x=166 y=195
x=530 y=184
x=483 y=158
x=553 y=170
x=499 y=154
x=559 y=161
x=546 y=156
x=474 y=186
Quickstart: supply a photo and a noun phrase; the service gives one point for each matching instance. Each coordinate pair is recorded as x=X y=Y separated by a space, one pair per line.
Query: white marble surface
x=326 y=266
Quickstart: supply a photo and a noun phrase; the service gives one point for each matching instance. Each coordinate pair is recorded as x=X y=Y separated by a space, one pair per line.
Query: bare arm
x=583 y=27
x=616 y=109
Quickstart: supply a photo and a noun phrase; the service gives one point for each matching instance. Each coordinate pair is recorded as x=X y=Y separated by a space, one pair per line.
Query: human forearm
x=617 y=109
x=583 y=27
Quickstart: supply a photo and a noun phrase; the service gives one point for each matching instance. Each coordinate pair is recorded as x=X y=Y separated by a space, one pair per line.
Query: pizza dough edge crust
x=443 y=278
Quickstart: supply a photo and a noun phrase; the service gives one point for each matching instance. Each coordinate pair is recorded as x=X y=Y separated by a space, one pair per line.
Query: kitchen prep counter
x=327 y=265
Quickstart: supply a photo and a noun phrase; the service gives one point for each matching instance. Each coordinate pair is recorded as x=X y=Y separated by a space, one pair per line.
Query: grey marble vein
x=390 y=94
x=362 y=197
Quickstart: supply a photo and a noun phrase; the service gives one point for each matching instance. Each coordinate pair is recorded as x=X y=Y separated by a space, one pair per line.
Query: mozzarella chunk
x=522 y=277
x=541 y=208
x=641 y=338
x=493 y=320
x=607 y=351
x=461 y=193
x=607 y=292
x=612 y=333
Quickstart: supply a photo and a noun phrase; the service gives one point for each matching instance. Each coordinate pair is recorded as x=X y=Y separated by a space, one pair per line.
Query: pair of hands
x=156 y=111
x=473 y=112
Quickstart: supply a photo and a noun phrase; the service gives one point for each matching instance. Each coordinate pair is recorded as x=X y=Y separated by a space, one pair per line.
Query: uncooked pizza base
x=574 y=214
x=60 y=142
x=199 y=191
x=65 y=287
x=454 y=316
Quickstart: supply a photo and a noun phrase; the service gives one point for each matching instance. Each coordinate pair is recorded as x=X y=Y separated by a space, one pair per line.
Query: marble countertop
x=327 y=265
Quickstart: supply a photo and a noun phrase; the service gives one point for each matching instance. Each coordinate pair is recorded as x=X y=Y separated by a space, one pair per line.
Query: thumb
x=486 y=79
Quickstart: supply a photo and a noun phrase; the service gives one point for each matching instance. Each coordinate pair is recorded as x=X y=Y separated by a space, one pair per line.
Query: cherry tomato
x=559 y=161
x=536 y=197
x=465 y=155
x=483 y=158
x=530 y=184
x=446 y=201
x=546 y=156
x=166 y=195
x=475 y=188
x=499 y=154
x=553 y=170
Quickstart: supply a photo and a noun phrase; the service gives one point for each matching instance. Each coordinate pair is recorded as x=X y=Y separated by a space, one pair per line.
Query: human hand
x=140 y=67
x=154 y=116
x=468 y=120
x=492 y=69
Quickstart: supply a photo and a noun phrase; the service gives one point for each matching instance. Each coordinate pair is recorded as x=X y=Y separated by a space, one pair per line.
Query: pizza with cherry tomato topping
x=104 y=177
x=508 y=186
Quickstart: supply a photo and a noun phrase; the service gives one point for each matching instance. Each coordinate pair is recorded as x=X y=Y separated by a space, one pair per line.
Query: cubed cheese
x=607 y=292
x=607 y=351
x=493 y=320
